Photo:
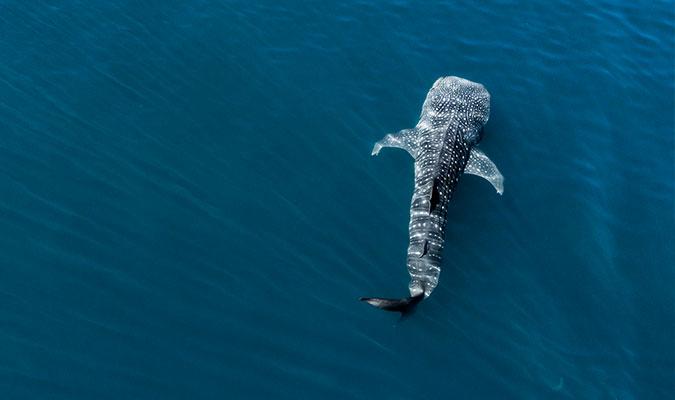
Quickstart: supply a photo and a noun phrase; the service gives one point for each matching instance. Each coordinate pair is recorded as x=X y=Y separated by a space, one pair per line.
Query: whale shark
x=443 y=145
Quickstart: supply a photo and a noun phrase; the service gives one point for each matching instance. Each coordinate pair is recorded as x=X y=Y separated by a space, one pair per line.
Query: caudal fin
x=403 y=305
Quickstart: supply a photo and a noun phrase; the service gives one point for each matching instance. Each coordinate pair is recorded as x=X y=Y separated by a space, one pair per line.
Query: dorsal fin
x=435 y=199
x=425 y=248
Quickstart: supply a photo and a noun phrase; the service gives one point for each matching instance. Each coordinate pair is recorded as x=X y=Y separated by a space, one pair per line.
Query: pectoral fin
x=405 y=139
x=479 y=164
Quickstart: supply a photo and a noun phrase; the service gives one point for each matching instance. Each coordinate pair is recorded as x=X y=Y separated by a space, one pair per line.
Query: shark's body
x=442 y=144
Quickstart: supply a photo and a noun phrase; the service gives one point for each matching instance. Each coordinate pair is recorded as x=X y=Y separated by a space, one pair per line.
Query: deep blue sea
x=189 y=208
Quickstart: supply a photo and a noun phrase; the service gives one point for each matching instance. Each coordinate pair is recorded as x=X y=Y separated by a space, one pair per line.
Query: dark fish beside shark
x=443 y=146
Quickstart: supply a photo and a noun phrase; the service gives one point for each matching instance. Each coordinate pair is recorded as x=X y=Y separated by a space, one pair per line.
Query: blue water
x=189 y=208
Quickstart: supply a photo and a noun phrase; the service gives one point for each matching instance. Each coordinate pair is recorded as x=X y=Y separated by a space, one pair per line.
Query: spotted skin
x=450 y=124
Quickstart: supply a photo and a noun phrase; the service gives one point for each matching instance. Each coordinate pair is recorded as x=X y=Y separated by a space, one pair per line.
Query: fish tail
x=403 y=305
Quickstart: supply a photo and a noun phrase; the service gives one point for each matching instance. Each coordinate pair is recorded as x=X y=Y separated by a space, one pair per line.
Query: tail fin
x=403 y=305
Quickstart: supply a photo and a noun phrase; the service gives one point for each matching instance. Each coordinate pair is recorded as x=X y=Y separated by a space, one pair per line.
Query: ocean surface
x=189 y=208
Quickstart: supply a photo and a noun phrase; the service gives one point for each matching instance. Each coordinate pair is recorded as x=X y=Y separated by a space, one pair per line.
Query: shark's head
x=454 y=100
